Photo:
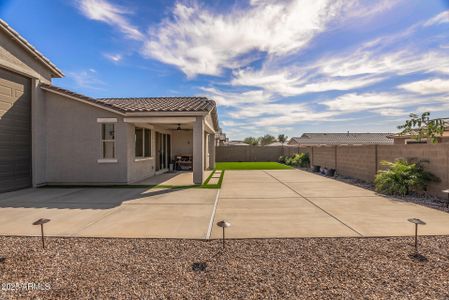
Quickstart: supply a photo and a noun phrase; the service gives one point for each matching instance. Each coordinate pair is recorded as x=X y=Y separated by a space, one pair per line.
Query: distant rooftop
x=347 y=138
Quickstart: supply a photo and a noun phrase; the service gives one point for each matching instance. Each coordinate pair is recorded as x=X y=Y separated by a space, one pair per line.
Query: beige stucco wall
x=17 y=59
x=74 y=143
x=182 y=142
x=139 y=169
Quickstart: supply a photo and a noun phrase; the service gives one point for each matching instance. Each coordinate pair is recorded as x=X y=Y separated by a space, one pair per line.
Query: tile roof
x=343 y=139
x=160 y=104
x=15 y=35
x=157 y=104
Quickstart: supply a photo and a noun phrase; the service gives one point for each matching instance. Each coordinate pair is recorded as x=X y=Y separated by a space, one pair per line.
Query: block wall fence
x=360 y=162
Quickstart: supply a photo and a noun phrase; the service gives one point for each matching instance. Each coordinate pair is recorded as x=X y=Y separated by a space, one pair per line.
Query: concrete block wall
x=357 y=161
x=253 y=153
x=437 y=156
x=324 y=156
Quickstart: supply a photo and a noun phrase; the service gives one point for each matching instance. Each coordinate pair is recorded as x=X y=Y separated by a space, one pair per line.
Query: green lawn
x=250 y=166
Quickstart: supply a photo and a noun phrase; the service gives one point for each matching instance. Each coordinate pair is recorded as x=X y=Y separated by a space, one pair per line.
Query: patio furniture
x=446 y=192
x=184 y=162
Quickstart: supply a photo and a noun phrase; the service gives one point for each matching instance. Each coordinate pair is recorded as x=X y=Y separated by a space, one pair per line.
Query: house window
x=108 y=140
x=143 y=142
x=409 y=142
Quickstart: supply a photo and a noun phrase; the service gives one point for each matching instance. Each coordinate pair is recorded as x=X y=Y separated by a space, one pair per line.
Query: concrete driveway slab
x=256 y=176
x=379 y=216
x=255 y=190
x=329 y=189
x=153 y=221
x=259 y=204
x=319 y=207
x=109 y=212
x=64 y=222
x=287 y=176
x=271 y=218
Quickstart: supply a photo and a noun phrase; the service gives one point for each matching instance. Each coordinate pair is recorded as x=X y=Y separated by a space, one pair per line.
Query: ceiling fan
x=181 y=129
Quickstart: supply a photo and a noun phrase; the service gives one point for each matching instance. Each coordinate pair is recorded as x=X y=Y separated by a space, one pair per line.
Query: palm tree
x=282 y=138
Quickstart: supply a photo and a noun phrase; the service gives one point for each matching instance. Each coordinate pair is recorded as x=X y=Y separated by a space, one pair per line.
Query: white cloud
x=428 y=86
x=391 y=112
x=399 y=62
x=199 y=41
x=113 y=57
x=102 y=10
x=234 y=99
x=354 y=102
x=86 y=79
x=285 y=83
x=438 y=19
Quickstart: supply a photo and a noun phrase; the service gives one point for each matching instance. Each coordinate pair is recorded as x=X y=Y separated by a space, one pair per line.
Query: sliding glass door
x=163 y=148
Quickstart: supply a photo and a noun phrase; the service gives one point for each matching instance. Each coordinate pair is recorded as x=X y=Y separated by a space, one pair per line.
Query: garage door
x=15 y=131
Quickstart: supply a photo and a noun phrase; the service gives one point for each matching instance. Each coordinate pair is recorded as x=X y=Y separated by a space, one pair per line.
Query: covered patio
x=181 y=144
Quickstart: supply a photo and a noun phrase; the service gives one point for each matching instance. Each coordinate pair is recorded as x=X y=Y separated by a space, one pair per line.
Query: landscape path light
x=223 y=224
x=42 y=222
x=446 y=192
x=416 y=222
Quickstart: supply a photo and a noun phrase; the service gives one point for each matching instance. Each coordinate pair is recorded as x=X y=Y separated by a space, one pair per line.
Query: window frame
x=105 y=141
x=144 y=145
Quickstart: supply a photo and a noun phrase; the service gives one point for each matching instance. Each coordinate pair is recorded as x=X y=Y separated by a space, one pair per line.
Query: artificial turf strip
x=250 y=166
x=206 y=184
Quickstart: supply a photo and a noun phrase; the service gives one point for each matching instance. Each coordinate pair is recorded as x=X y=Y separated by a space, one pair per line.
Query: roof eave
x=25 y=44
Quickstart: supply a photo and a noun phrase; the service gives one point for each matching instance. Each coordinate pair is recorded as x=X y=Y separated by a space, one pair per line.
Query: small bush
x=403 y=177
x=282 y=159
x=298 y=160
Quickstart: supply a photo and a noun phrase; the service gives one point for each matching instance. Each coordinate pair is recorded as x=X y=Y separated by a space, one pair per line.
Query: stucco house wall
x=14 y=57
x=74 y=143
x=139 y=169
x=17 y=59
x=182 y=142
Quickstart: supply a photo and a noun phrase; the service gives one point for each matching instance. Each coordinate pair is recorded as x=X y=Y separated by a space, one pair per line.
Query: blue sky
x=273 y=67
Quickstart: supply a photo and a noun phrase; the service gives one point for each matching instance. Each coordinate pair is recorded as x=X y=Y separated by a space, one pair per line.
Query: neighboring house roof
x=33 y=51
x=342 y=139
x=276 y=144
x=155 y=104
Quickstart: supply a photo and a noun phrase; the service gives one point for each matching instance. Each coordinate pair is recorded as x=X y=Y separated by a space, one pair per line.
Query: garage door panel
x=15 y=131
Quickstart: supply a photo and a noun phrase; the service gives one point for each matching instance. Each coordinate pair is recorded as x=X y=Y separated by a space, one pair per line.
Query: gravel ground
x=315 y=268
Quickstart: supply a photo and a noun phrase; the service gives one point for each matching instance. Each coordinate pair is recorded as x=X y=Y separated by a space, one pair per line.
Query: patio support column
x=211 y=151
x=198 y=151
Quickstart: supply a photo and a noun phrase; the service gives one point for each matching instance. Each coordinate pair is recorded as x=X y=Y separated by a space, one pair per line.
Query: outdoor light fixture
x=199 y=267
x=223 y=224
x=417 y=222
x=42 y=222
x=447 y=201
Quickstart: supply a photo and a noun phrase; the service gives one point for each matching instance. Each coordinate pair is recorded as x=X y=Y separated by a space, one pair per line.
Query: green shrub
x=282 y=159
x=299 y=160
x=403 y=177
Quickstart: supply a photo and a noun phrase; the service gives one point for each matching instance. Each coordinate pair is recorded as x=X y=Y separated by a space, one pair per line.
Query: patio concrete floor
x=259 y=204
x=109 y=212
x=294 y=203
